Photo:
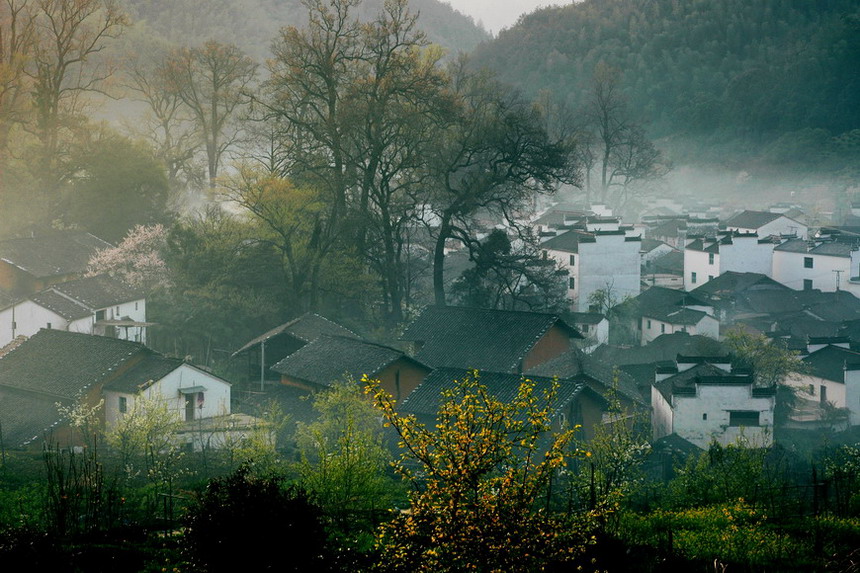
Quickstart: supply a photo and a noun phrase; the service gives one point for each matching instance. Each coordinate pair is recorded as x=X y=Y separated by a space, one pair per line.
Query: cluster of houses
x=677 y=284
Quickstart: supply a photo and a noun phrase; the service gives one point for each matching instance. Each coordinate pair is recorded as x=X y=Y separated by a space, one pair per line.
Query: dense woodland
x=772 y=82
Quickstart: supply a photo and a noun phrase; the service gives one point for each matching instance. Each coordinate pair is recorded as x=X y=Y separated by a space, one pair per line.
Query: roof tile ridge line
x=332 y=322
x=14 y=348
x=112 y=368
x=80 y=303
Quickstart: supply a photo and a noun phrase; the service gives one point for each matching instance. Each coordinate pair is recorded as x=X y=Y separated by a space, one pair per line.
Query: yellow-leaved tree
x=481 y=484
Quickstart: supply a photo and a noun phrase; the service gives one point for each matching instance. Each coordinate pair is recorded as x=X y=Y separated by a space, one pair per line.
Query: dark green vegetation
x=491 y=487
x=750 y=83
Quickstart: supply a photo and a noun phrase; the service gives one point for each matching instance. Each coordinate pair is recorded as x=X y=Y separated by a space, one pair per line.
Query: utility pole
x=838 y=277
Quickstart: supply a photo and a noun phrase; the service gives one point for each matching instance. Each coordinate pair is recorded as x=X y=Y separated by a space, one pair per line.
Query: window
x=649 y=324
x=743 y=418
x=705 y=416
x=823 y=390
x=693 y=278
x=662 y=329
x=48 y=326
x=117 y=311
x=135 y=306
x=807 y=262
x=572 y=282
x=807 y=284
x=123 y=404
x=811 y=390
x=572 y=260
x=100 y=314
x=710 y=258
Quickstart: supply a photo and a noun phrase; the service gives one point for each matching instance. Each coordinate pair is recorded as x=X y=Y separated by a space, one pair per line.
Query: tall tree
x=17 y=43
x=492 y=156
x=211 y=81
x=70 y=36
x=622 y=152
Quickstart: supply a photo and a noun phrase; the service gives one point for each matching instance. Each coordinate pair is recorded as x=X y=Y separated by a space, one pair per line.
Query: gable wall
x=29 y=318
x=554 y=343
x=410 y=375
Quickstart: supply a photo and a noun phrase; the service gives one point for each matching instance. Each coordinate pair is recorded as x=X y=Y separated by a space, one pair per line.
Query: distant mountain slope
x=786 y=72
x=252 y=24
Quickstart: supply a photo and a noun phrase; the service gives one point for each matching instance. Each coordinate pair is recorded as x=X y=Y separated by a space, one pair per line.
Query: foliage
x=145 y=439
x=481 y=480
x=842 y=468
x=732 y=532
x=343 y=460
x=259 y=450
x=246 y=523
x=137 y=260
x=116 y=184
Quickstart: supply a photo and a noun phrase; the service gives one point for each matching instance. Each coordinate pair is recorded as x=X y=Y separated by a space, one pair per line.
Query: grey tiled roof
x=57 y=253
x=752 y=219
x=305 y=328
x=664 y=347
x=683 y=316
x=151 y=368
x=427 y=397
x=829 y=362
x=730 y=283
x=597 y=375
x=63 y=364
x=55 y=302
x=27 y=417
x=98 y=292
x=568 y=242
x=493 y=340
x=329 y=359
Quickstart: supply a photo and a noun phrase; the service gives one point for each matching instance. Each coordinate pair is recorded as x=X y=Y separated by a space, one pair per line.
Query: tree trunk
x=439 y=259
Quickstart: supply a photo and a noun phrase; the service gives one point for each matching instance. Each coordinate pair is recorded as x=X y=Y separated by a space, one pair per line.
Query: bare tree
x=211 y=81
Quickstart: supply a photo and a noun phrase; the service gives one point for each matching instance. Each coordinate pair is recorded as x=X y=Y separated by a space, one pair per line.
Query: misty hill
x=252 y=24
x=776 y=79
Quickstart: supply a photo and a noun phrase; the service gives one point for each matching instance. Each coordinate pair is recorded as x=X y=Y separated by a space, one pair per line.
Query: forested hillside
x=253 y=24
x=776 y=78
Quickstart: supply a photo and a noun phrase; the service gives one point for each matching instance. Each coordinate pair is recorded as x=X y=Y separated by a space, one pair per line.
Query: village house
x=31 y=264
x=659 y=310
x=766 y=224
x=57 y=369
x=484 y=339
x=706 y=258
x=593 y=326
x=824 y=265
x=701 y=400
x=97 y=305
x=271 y=347
x=827 y=395
x=331 y=359
x=606 y=261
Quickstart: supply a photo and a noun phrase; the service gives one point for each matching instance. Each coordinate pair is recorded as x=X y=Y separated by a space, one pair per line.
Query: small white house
x=594 y=261
x=823 y=265
x=659 y=321
x=705 y=402
x=593 y=326
x=705 y=259
x=94 y=305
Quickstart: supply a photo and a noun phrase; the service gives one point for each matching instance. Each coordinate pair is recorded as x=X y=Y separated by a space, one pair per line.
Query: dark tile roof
x=704 y=245
x=584 y=317
x=664 y=347
x=427 y=397
x=829 y=362
x=151 y=368
x=599 y=376
x=98 y=292
x=682 y=316
x=64 y=364
x=649 y=245
x=833 y=306
x=57 y=253
x=568 y=242
x=494 y=340
x=730 y=283
x=55 y=302
x=834 y=249
x=27 y=417
x=305 y=328
x=329 y=359
x=670 y=263
x=685 y=382
x=752 y=219
x=793 y=246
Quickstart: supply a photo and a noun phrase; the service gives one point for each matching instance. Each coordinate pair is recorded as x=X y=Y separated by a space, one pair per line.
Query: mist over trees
x=771 y=82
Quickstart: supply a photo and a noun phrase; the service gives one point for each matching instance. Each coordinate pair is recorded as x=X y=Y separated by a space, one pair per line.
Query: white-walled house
x=705 y=259
x=190 y=393
x=94 y=305
x=831 y=384
x=765 y=224
x=705 y=402
x=596 y=260
x=593 y=326
x=658 y=321
x=824 y=265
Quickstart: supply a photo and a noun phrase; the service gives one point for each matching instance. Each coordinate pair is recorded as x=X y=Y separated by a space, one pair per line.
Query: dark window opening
x=743 y=418
x=572 y=282
x=572 y=260
x=807 y=262
x=123 y=404
x=807 y=284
